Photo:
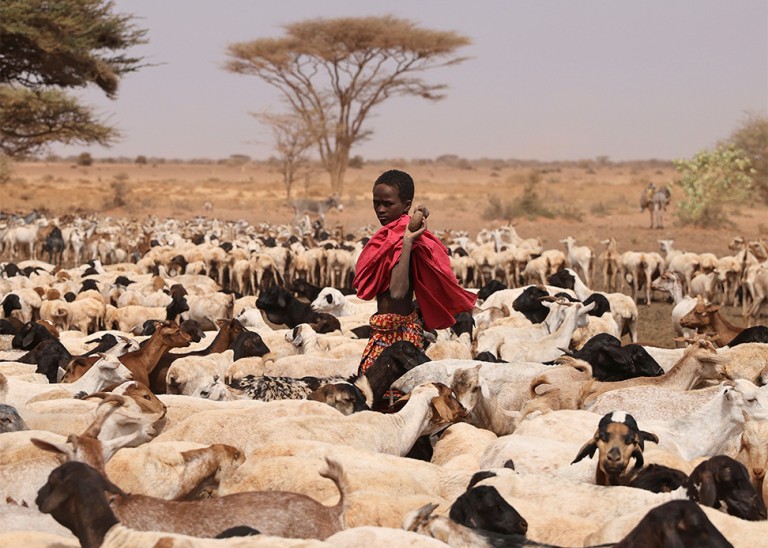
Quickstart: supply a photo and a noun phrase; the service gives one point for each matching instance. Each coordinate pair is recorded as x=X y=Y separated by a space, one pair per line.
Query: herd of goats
x=194 y=383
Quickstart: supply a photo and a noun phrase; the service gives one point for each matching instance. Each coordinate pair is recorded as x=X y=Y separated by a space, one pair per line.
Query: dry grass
x=589 y=201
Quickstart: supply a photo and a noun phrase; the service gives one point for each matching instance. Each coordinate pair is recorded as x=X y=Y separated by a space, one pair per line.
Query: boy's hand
x=418 y=223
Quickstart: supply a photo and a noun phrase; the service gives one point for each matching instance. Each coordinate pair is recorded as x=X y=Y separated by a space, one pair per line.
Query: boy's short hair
x=399 y=180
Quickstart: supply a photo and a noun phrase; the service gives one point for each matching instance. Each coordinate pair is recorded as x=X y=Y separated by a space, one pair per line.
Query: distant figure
x=305 y=206
x=656 y=200
x=208 y=206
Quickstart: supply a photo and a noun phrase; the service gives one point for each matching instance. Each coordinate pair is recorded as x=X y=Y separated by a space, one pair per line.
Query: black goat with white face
x=618 y=439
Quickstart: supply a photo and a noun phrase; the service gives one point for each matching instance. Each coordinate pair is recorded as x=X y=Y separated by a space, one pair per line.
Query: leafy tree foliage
x=752 y=137
x=333 y=72
x=47 y=47
x=710 y=181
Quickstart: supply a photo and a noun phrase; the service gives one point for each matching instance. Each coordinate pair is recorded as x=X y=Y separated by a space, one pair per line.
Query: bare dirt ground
x=591 y=202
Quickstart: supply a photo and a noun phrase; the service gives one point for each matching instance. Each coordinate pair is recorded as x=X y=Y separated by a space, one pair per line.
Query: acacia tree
x=47 y=47
x=291 y=142
x=332 y=72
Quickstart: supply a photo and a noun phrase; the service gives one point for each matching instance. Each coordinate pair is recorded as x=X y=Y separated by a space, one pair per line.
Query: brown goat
x=706 y=318
x=143 y=361
x=228 y=332
x=80 y=498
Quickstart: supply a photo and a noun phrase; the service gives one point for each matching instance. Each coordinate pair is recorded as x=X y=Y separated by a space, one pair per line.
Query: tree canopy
x=333 y=72
x=47 y=47
x=752 y=137
x=711 y=180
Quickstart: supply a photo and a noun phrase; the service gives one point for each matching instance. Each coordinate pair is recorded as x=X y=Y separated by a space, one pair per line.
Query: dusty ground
x=591 y=202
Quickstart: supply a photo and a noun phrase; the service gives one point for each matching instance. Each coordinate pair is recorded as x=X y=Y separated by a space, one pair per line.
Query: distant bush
x=599 y=209
x=141 y=160
x=529 y=204
x=84 y=159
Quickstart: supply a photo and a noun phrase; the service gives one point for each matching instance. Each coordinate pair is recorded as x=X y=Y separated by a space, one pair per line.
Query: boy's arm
x=400 y=281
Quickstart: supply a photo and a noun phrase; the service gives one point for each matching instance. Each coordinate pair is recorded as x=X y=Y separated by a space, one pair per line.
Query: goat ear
x=587 y=450
x=64 y=449
x=639 y=461
x=708 y=490
x=28 y=339
x=281 y=302
x=55 y=498
x=647 y=436
x=442 y=409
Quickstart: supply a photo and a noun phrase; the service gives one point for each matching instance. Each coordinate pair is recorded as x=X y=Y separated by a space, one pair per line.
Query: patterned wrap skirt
x=388 y=329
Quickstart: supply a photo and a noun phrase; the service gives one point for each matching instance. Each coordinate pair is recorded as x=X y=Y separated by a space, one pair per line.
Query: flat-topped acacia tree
x=332 y=72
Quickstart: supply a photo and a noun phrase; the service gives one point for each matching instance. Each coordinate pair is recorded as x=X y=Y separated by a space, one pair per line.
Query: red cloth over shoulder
x=439 y=295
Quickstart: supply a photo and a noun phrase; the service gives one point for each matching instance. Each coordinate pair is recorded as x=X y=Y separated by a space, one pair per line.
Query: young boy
x=398 y=262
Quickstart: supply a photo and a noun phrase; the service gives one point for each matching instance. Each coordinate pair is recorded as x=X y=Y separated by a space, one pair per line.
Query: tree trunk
x=337 y=168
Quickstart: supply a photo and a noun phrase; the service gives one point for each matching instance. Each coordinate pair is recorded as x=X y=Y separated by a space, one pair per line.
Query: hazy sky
x=547 y=79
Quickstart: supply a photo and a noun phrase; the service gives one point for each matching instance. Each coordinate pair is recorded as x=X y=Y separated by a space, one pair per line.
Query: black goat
x=675 y=523
x=612 y=362
x=529 y=304
x=30 y=335
x=722 y=481
x=282 y=308
x=54 y=245
x=756 y=333
x=490 y=288
x=482 y=507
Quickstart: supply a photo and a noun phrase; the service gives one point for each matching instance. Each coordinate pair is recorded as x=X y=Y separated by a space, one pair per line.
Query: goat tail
x=535 y=383
x=335 y=472
x=588 y=392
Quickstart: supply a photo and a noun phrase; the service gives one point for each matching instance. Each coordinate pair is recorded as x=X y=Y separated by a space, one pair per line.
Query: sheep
x=208 y=309
x=173 y=470
x=674 y=523
x=459 y=348
x=188 y=374
x=24 y=468
x=10 y=421
x=547 y=348
x=623 y=307
x=699 y=362
x=74 y=486
x=609 y=260
x=131 y=319
x=653 y=402
x=557 y=388
x=703 y=432
x=581 y=257
x=332 y=301
x=292 y=465
x=754 y=453
x=484 y=409
x=107 y=371
x=612 y=362
x=460 y=446
x=281 y=307
x=672 y=283
x=429 y=407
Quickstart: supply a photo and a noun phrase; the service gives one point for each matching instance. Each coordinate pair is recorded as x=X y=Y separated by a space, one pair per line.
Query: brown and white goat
x=617 y=439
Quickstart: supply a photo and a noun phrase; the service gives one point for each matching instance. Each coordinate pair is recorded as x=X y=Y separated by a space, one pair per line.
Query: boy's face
x=387 y=204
